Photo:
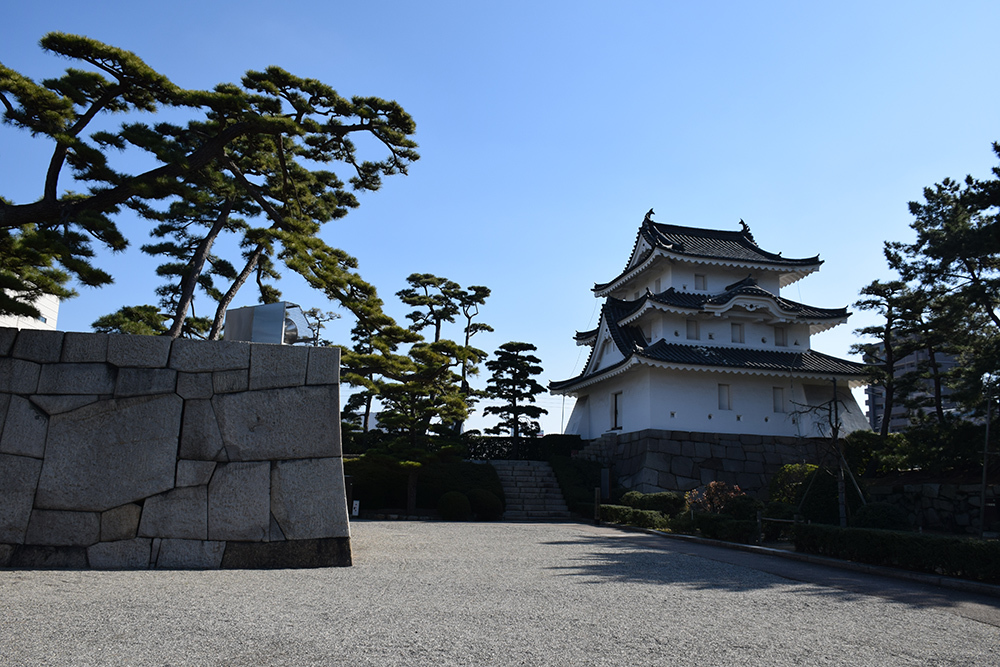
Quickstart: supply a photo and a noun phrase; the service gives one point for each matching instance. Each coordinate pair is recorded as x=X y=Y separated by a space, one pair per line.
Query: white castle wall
x=141 y=451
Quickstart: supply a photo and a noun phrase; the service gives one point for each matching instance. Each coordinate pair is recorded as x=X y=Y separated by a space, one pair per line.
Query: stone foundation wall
x=945 y=507
x=651 y=461
x=141 y=451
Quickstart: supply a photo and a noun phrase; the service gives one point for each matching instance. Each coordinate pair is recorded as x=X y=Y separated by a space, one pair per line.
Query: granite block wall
x=145 y=452
x=653 y=460
x=954 y=508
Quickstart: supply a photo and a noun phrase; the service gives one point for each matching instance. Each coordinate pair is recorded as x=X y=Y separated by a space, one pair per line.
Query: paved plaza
x=429 y=593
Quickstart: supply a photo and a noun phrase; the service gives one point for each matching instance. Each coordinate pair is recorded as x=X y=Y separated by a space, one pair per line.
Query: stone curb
x=964 y=585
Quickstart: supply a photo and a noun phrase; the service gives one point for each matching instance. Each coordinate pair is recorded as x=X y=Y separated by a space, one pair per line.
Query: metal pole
x=986 y=454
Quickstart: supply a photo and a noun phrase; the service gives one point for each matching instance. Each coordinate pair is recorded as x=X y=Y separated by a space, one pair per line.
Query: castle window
x=692 y=330
x=725 y=399
x=616 y=410
x=779 y=399
x=699 y=282
x=737 y=333
x=780 y=337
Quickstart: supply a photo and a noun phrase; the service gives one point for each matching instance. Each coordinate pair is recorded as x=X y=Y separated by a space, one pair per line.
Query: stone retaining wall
x=141 y=451
x=945 y=507
x=652 y=460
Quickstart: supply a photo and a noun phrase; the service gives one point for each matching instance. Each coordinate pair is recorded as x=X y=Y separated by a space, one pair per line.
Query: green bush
x=785 y=485
x=485 y=505
x=884 y=516
x=629 y=516
x=722 y=527
x=819 y=499
x=454 y=506
x=666 y=502
x=743 y=508
x=950 y=556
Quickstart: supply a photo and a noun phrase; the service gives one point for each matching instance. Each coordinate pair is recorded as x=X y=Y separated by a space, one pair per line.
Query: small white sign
x=356 y=510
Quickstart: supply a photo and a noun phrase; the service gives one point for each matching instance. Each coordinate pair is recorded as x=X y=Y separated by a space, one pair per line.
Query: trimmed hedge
x=722 y=527
x=978 y=560
x=632 y=517
x=667 y=502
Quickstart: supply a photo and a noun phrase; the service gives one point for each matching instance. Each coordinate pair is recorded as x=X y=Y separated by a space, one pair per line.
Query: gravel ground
x=496 y=594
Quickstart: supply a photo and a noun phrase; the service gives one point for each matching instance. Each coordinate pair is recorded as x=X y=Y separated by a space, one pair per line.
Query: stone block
x=308 y=498
x=41 y=557
x=687 y=483
x=295 y=423
x=7 y=337
x=688 y=448
x=110 y=453
x=121 y=555
x=275 y=534
x=194 y=473
x=707 y=476
x=682 y=466
x=145 y=381
x=273 y=366
x=196 y=356
x=18 y=481
x=126 y=350
x=41 y=346
x=731 y=465
x=82 y=348
x=178 y=513
x=194 y=385
x=667 y=481
x=751 y=483
x=55 y=405
x=702 y=450
x=239 y=502
x=931 y=490
x=76 y=379
x=755 y=456
x=718 y=451
x=18 y=376
x=190 y=555
x=324 y=365
x=756 y=467
x=228 y=382
x=23 y=429
x=4 y=404
x=326 y=552
x=120 y=523
x=59 y=528
x=200 y=436
x=6 y=553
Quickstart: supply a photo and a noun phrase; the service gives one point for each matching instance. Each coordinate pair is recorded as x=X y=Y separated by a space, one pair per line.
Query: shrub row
x=950 y=556
x=667 y=502
x=629 y=516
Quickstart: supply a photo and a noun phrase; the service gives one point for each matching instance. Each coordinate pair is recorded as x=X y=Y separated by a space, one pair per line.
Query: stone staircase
x=531 y=491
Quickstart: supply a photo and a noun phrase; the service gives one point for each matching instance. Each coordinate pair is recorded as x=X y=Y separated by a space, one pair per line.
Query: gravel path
x=496 y=594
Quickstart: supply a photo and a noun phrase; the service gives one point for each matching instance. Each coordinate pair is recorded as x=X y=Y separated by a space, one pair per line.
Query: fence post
x=597 y=505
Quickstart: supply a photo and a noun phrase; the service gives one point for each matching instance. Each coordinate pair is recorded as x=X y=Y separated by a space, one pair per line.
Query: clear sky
x=548 y=129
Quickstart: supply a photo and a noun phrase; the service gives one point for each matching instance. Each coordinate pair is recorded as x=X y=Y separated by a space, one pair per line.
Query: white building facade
x=695 y=336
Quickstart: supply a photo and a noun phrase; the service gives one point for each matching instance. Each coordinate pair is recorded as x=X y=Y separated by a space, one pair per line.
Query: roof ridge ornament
x=649 y=216
x=746 y=232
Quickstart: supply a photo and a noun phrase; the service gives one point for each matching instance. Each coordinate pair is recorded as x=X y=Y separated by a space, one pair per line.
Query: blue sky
x=547 y=130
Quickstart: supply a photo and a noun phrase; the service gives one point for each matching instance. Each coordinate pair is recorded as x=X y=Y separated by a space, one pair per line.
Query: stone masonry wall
x=145 y=452
x=953 y=508
x=652 y=460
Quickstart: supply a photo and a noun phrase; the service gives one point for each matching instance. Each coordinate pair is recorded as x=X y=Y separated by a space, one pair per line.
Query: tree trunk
x=220 y=312
x=190 y=280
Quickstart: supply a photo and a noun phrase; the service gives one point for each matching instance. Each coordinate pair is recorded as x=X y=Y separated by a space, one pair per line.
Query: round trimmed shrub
x=743 y=508
x=485 y=505
x=454 y=506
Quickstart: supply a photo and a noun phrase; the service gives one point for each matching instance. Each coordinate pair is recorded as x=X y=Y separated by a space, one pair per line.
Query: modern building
x=48 y=309
x=694 y=336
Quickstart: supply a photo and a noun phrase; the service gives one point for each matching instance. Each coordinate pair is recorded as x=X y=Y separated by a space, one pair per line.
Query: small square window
x=780 y=337
x=737 y=333
x=699 y=282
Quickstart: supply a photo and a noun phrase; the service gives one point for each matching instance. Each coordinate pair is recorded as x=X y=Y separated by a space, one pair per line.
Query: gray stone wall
x=141 y=451
x=953 y=508
x=653 y=460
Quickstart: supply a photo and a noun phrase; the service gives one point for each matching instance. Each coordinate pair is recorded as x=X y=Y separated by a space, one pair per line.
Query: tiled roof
x=766 y=360
x=716 y=244
x=746 y=287
x=709 y=244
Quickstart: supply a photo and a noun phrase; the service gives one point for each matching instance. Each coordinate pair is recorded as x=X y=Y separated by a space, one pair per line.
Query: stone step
x=531 y=490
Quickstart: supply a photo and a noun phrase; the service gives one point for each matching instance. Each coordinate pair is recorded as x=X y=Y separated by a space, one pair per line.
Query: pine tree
x=513 y=384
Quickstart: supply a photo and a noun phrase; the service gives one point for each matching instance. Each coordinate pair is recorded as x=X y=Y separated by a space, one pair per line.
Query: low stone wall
x=651 y=461
x=954 y=508
x=141 y=451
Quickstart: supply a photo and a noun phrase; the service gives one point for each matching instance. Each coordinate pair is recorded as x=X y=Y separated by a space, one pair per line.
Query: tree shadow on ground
x=630 y=557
